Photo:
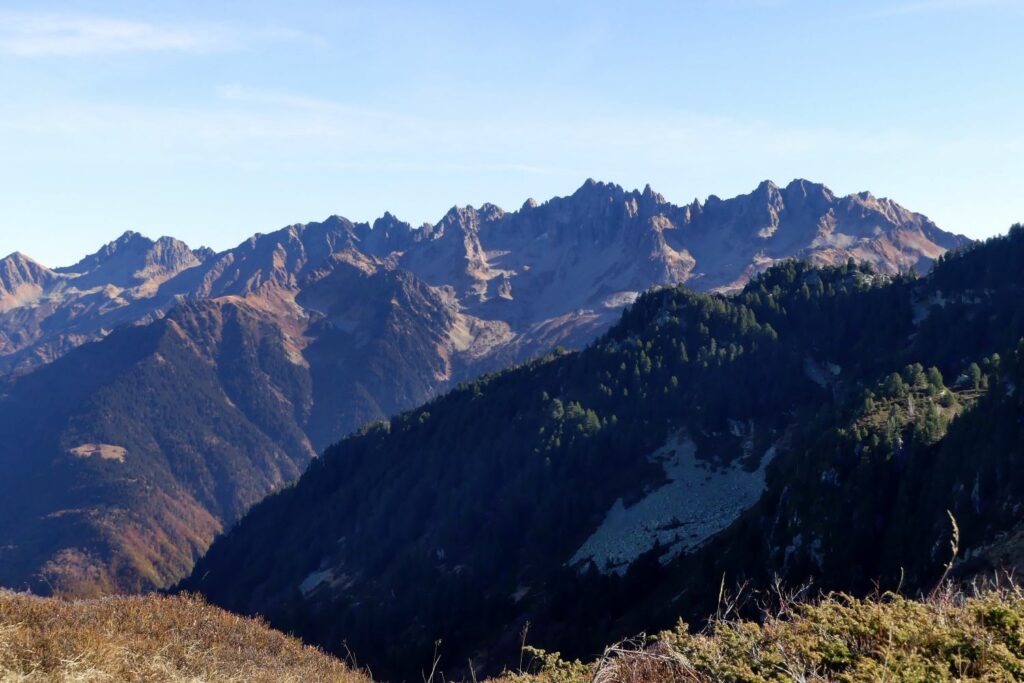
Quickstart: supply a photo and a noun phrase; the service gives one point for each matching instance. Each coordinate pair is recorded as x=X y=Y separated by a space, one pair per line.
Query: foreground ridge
x=154 y=638
x=948 y=636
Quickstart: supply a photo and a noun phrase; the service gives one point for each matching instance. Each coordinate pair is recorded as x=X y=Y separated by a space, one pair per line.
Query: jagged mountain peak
x=132 y=259
x=491 y=212
x=387 y=234
x=389 y=220
x=459 y=214
x=596 y=189
x=808 y=188
x=650 y=195
x=20 y=259
x=19 y=271
x=203 y=253
x=127 y=240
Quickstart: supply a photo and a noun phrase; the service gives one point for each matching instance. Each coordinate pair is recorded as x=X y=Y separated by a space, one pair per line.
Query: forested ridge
x=886 y=400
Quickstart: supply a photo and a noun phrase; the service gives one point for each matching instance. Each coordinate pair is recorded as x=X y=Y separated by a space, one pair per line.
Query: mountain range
x=152 y=392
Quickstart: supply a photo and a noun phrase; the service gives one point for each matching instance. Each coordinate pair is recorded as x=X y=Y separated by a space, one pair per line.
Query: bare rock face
x=22 y=281
x=290 y=340
x=132 y=260
x=44 y=313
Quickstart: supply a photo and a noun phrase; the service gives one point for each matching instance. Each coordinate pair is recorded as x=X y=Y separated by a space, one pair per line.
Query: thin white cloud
x=245 y=130
x=253 y=127
x=928 y=6
x=27 y=34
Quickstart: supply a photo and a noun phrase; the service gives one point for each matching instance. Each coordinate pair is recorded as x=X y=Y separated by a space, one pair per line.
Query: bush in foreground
x=152 y=638
x=947 y=637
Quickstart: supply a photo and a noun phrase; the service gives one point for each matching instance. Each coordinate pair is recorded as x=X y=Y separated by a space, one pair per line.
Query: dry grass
x=948 y=637
x=152 y=638
x=105 y=451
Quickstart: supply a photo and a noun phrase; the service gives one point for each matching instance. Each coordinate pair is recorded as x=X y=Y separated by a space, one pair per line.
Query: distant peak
x=389 y=221
x=129 y=237
x=461 y=216
x=454 y=213
x=19 y=257
x=808 y=188
x=203 y=253
x=650 y=195
x=591 y=186
x=132 y=257
x=491 y=212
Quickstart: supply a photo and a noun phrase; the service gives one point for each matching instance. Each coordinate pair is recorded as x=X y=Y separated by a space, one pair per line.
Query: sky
x=212 y=121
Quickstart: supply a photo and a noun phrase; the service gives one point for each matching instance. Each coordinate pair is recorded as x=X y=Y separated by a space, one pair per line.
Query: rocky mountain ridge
x=581 y=256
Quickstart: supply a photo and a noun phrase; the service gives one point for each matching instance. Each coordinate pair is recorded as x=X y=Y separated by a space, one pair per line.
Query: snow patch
x=314 y=581
x=698 y=501
x=922 y=309
x=814 y=373
x=520 y=593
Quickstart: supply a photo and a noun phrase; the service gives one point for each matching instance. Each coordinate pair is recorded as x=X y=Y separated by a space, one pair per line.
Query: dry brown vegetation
x=152 y=638
x=950 y=636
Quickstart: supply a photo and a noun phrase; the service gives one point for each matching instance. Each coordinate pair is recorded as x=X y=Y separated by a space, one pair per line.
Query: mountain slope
x=123 y=458
x=211 y=379
x=787 y=430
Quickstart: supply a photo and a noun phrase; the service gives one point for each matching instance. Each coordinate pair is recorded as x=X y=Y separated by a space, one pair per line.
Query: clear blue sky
x=210 y=121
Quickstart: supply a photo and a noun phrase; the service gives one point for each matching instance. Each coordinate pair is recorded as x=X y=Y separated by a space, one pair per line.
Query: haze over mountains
x=154 y=392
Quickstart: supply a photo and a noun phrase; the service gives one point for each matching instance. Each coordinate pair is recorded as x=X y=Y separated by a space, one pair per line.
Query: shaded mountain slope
x=787 y=430
x=123 y=458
